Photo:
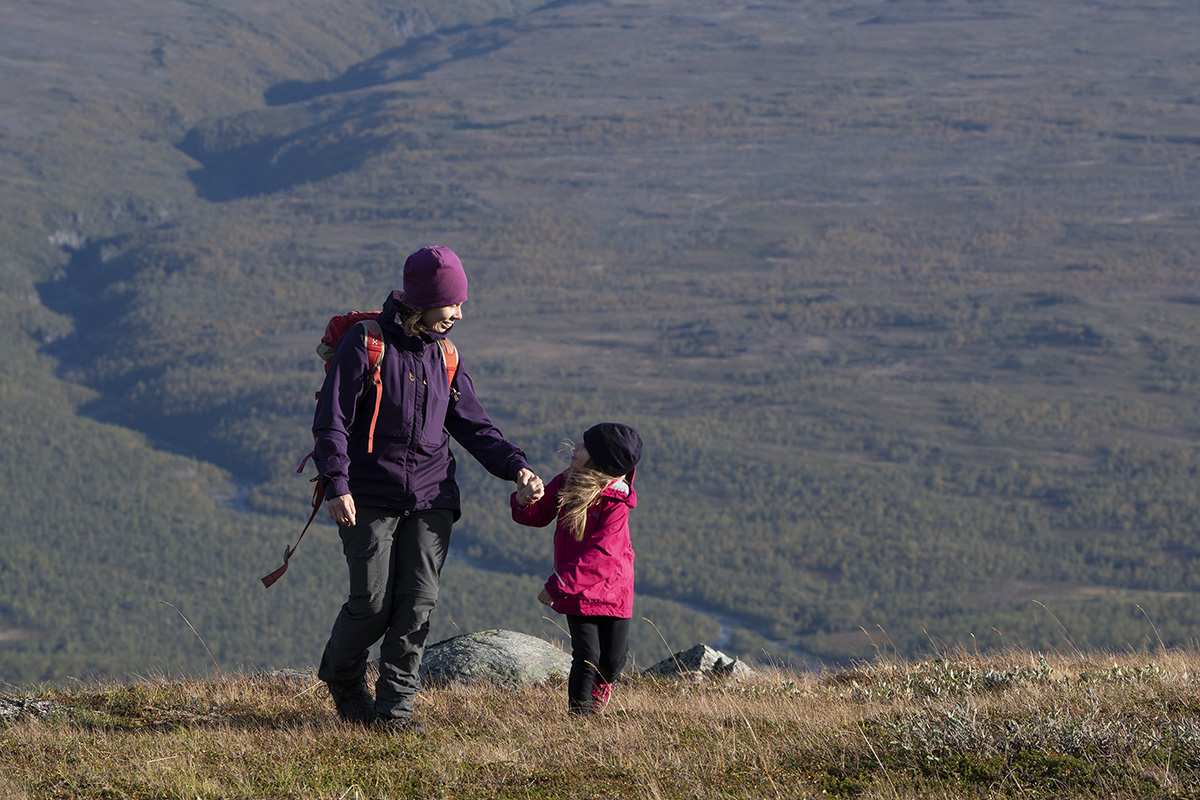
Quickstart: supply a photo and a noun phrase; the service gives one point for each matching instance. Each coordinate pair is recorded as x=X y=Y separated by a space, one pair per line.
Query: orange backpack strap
x=373 y=337
x=450 y=358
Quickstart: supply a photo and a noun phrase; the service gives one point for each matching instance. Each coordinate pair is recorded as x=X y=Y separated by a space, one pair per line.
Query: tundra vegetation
x=902 y=297
x=1011 y=724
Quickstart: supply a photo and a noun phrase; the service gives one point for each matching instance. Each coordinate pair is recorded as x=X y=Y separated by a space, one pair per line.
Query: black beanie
x=615 y=448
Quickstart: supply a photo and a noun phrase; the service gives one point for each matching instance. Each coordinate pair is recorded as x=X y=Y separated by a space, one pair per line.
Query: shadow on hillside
x=93 y=264
x=416 y=57
x=275 y=163
x=264 y=152
x=405 y=63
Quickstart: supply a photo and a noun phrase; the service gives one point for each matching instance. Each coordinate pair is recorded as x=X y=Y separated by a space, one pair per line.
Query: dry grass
x=1019 y=725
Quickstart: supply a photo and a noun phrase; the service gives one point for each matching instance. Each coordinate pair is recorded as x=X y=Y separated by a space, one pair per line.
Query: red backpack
x=373 y=337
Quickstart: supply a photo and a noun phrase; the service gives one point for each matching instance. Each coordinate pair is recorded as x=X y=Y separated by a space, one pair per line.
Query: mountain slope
x=901 y=295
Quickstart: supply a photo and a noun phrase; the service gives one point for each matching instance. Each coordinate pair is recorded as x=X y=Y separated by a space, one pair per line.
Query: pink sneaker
x=601 y=692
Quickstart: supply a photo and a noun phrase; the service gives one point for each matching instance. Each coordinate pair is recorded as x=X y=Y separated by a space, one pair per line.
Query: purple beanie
x=434 y=277
x=615 y=449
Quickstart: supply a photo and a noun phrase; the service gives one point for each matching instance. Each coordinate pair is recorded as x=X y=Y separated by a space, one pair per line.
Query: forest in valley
x=902 y=296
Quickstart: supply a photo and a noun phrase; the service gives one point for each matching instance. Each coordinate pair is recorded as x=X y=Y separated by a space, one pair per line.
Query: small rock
x=499 y=657
x=698 y=663
x=15 y=708
x=290 y=675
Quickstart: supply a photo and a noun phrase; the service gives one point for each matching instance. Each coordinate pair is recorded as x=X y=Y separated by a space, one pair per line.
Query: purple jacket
x=593 y=577
x=411 y=467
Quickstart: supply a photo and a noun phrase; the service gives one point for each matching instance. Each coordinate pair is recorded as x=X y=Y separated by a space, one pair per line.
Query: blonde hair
x=581 y=489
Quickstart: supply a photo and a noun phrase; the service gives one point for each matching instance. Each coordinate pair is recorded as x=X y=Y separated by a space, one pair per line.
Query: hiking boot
x=405 y=725
x=353 y=701
x=601 y=692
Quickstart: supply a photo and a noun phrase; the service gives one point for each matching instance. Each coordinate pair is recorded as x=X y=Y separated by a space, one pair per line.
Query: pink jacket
x=593 y=577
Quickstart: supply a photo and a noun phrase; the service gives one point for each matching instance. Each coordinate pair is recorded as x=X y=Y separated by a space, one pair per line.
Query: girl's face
x=580 y=456
x=442 y=319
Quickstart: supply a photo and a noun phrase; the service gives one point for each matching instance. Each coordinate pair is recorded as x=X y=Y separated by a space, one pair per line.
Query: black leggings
x=599 y=646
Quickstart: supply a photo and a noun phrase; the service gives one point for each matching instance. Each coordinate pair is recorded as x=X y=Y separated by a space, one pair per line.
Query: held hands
x=530 y=492
x=529 y=488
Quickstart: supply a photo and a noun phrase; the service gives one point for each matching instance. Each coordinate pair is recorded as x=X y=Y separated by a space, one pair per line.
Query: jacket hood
x=394 y=312
x=622 y=489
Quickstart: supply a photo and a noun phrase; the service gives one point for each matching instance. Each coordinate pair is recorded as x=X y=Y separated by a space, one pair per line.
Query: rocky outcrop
x=15 y=708
x=499 y=657
x=698 y=663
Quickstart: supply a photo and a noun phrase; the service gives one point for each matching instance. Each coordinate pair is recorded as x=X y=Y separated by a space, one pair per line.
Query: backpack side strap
x=317 y=499
x=450 y=359
x=373 y=337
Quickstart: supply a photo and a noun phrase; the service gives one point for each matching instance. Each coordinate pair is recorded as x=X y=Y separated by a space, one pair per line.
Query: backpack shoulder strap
x=450 y=359
x=373 y=338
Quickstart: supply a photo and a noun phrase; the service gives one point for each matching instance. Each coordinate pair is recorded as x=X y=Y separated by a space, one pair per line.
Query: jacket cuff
x=519 y=464
x=336 y=487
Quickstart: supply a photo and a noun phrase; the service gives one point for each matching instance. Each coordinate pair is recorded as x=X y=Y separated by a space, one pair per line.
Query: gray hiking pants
x=395 y=563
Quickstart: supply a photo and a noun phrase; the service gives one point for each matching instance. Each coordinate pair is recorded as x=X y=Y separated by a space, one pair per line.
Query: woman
x=391 y=490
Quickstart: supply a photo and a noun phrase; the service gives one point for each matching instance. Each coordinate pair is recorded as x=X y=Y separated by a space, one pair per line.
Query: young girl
x=592 y=582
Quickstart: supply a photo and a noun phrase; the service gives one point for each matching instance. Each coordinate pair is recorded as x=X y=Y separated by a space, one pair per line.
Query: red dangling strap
x=317 y=499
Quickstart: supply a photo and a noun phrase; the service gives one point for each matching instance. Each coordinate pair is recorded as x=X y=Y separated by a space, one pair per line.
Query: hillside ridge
x=905 y=312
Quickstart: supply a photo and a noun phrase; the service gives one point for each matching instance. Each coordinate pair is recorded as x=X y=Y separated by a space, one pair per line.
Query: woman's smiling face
x=441 y=319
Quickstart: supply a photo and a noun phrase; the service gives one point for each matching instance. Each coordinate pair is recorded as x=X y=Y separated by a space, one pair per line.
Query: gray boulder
x=499 y=657
x=699 y=663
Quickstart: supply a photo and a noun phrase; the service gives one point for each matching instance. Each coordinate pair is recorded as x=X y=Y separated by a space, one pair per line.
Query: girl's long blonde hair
x=581 y=489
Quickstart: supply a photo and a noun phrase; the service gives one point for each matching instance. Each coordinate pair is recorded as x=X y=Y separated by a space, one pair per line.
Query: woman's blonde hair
x=581 y=489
